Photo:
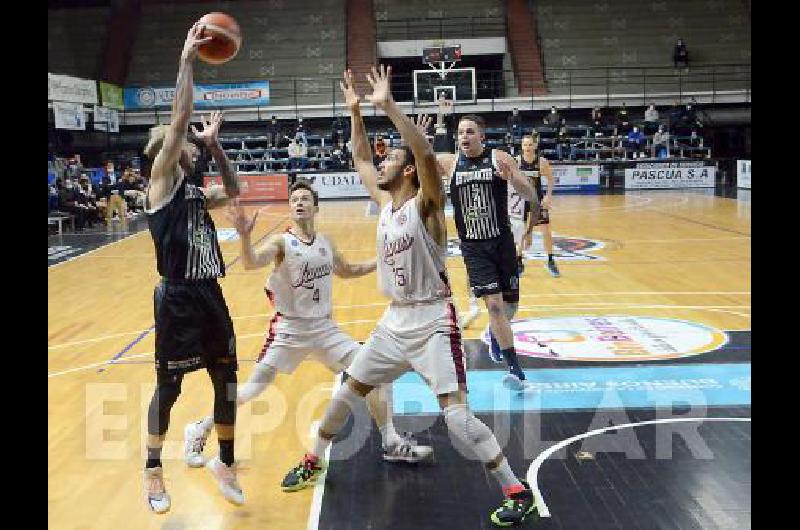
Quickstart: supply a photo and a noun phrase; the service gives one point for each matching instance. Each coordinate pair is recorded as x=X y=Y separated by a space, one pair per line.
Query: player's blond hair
x=156 y=141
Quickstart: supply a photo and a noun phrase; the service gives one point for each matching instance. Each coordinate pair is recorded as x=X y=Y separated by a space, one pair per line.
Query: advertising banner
x=205 y=96
x=106 y=119
x=69 y=116
x=111 y=96
x=73 y=89
x=574 y=178
x=670 y=175
x=743 y=174
x=337 y=185
x=259 y=187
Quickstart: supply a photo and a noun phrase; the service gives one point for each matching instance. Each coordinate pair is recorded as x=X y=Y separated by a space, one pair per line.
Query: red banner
x=259 y=187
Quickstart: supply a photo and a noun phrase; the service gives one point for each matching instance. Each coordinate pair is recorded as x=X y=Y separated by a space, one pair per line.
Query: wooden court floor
x=668 y=254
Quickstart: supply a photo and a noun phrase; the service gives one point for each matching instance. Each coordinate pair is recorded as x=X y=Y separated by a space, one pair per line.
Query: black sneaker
x=520 y=266
x=515 y=508
x=552 y=268
x=305 y=474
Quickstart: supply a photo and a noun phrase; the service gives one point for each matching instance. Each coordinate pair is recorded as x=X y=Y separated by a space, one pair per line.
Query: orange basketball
x=227 y=38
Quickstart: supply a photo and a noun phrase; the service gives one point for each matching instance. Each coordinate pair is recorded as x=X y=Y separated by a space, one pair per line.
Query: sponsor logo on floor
x=651 y=386
x=612 y=338
x=227 y=234
x=60 y=251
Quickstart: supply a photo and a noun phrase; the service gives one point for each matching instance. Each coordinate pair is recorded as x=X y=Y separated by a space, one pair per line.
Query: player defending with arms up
x=300 y=288
x=418 y=330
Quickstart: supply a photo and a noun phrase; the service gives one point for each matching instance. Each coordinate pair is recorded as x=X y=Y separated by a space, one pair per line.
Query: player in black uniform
x=192 y=323
x=479 y=192
x=531 y=164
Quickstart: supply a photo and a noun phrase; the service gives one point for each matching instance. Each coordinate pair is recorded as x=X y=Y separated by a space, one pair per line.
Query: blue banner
x=253 y=94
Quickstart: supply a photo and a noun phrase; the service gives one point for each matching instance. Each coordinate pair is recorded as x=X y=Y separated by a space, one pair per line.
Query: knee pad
x=164 y=397
x=223 y=378
x=472 y=431
x=342 y=403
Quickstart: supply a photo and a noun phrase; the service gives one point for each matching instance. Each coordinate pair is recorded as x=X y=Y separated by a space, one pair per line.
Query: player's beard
x=387 y=186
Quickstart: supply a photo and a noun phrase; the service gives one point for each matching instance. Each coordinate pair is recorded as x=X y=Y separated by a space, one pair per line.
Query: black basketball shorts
x=492 y=266
x=193 y=327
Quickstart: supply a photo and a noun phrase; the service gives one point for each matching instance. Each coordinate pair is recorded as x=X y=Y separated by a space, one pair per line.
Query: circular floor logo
x=612 y=338
x=564 y=249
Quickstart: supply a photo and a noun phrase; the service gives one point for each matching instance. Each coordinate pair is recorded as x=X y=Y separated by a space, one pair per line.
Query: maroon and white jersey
x=301 y=285
x=411 y=265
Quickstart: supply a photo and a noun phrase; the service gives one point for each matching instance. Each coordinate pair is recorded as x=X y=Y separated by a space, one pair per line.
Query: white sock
x=389 y=435
x=320 y=446
x=207 y=422
x=505 y=476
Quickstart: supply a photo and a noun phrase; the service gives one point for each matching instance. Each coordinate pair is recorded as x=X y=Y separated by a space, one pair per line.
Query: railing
x=441 y=28
x=570 y=86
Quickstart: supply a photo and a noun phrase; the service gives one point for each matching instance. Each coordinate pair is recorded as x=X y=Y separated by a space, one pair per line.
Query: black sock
x=549 y=257
x=226 y=452
x=510 y=355
x=153 y=457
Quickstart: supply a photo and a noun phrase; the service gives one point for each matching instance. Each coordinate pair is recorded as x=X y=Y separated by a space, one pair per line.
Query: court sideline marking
x=319 y=487
x=54 y=265
x=632 y=293
x=532 y=475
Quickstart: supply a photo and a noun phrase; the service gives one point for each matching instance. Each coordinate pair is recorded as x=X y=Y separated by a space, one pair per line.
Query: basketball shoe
x=408 y=450
x=156 y=494
x=305 y=474
x=226 y=479
x=516 y=507
x=195 y=436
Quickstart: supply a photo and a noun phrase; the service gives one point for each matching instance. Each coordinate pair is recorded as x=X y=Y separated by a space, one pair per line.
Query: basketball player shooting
x=301 y=288
x=418 y=331
x=192 y=324
x=479 y=179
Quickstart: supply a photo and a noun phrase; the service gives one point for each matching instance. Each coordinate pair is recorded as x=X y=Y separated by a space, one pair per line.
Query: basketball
x=227 y=38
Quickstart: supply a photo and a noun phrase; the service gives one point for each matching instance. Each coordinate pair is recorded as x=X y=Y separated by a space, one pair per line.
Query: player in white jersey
x=300 y=289
x=419 y=330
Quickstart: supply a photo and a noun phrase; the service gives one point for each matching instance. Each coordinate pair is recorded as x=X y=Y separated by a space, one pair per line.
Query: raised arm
x=162 y=173
x=344 y=269
x=431 y=195
x=509 y=170
x=231 y=188
x=271 y=250
x=362 y=154
x=446 y=163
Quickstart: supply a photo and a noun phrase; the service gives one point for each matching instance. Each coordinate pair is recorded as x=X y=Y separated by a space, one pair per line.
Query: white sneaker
x=194 y=440
x=155 y=493
x=465 y=319
x=514 y=383
x=407 y=450
x=226 y=479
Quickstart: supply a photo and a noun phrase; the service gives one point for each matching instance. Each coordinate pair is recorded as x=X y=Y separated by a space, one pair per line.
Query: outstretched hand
x=351 y=98
x=240 y=221
x=381 y=86
x=194 y=39
x=210 y=132
x=422 y=122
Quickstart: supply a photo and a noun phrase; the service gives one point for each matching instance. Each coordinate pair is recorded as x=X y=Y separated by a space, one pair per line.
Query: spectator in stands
x=340 y=130
x=132 y=190
x=636 y=142
x=380 y=151
x=340 y=158
x=651 y=114
x=680 y=56
x=661 y=143
x=300 y=132
x=695 y=141
x=515 y=126
x=553 y=118
x=650 y=120
x=675 y=116
x=294 y=155
x=68 y=202
x=623 y=120
x=87 y=199
x=273 y=133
